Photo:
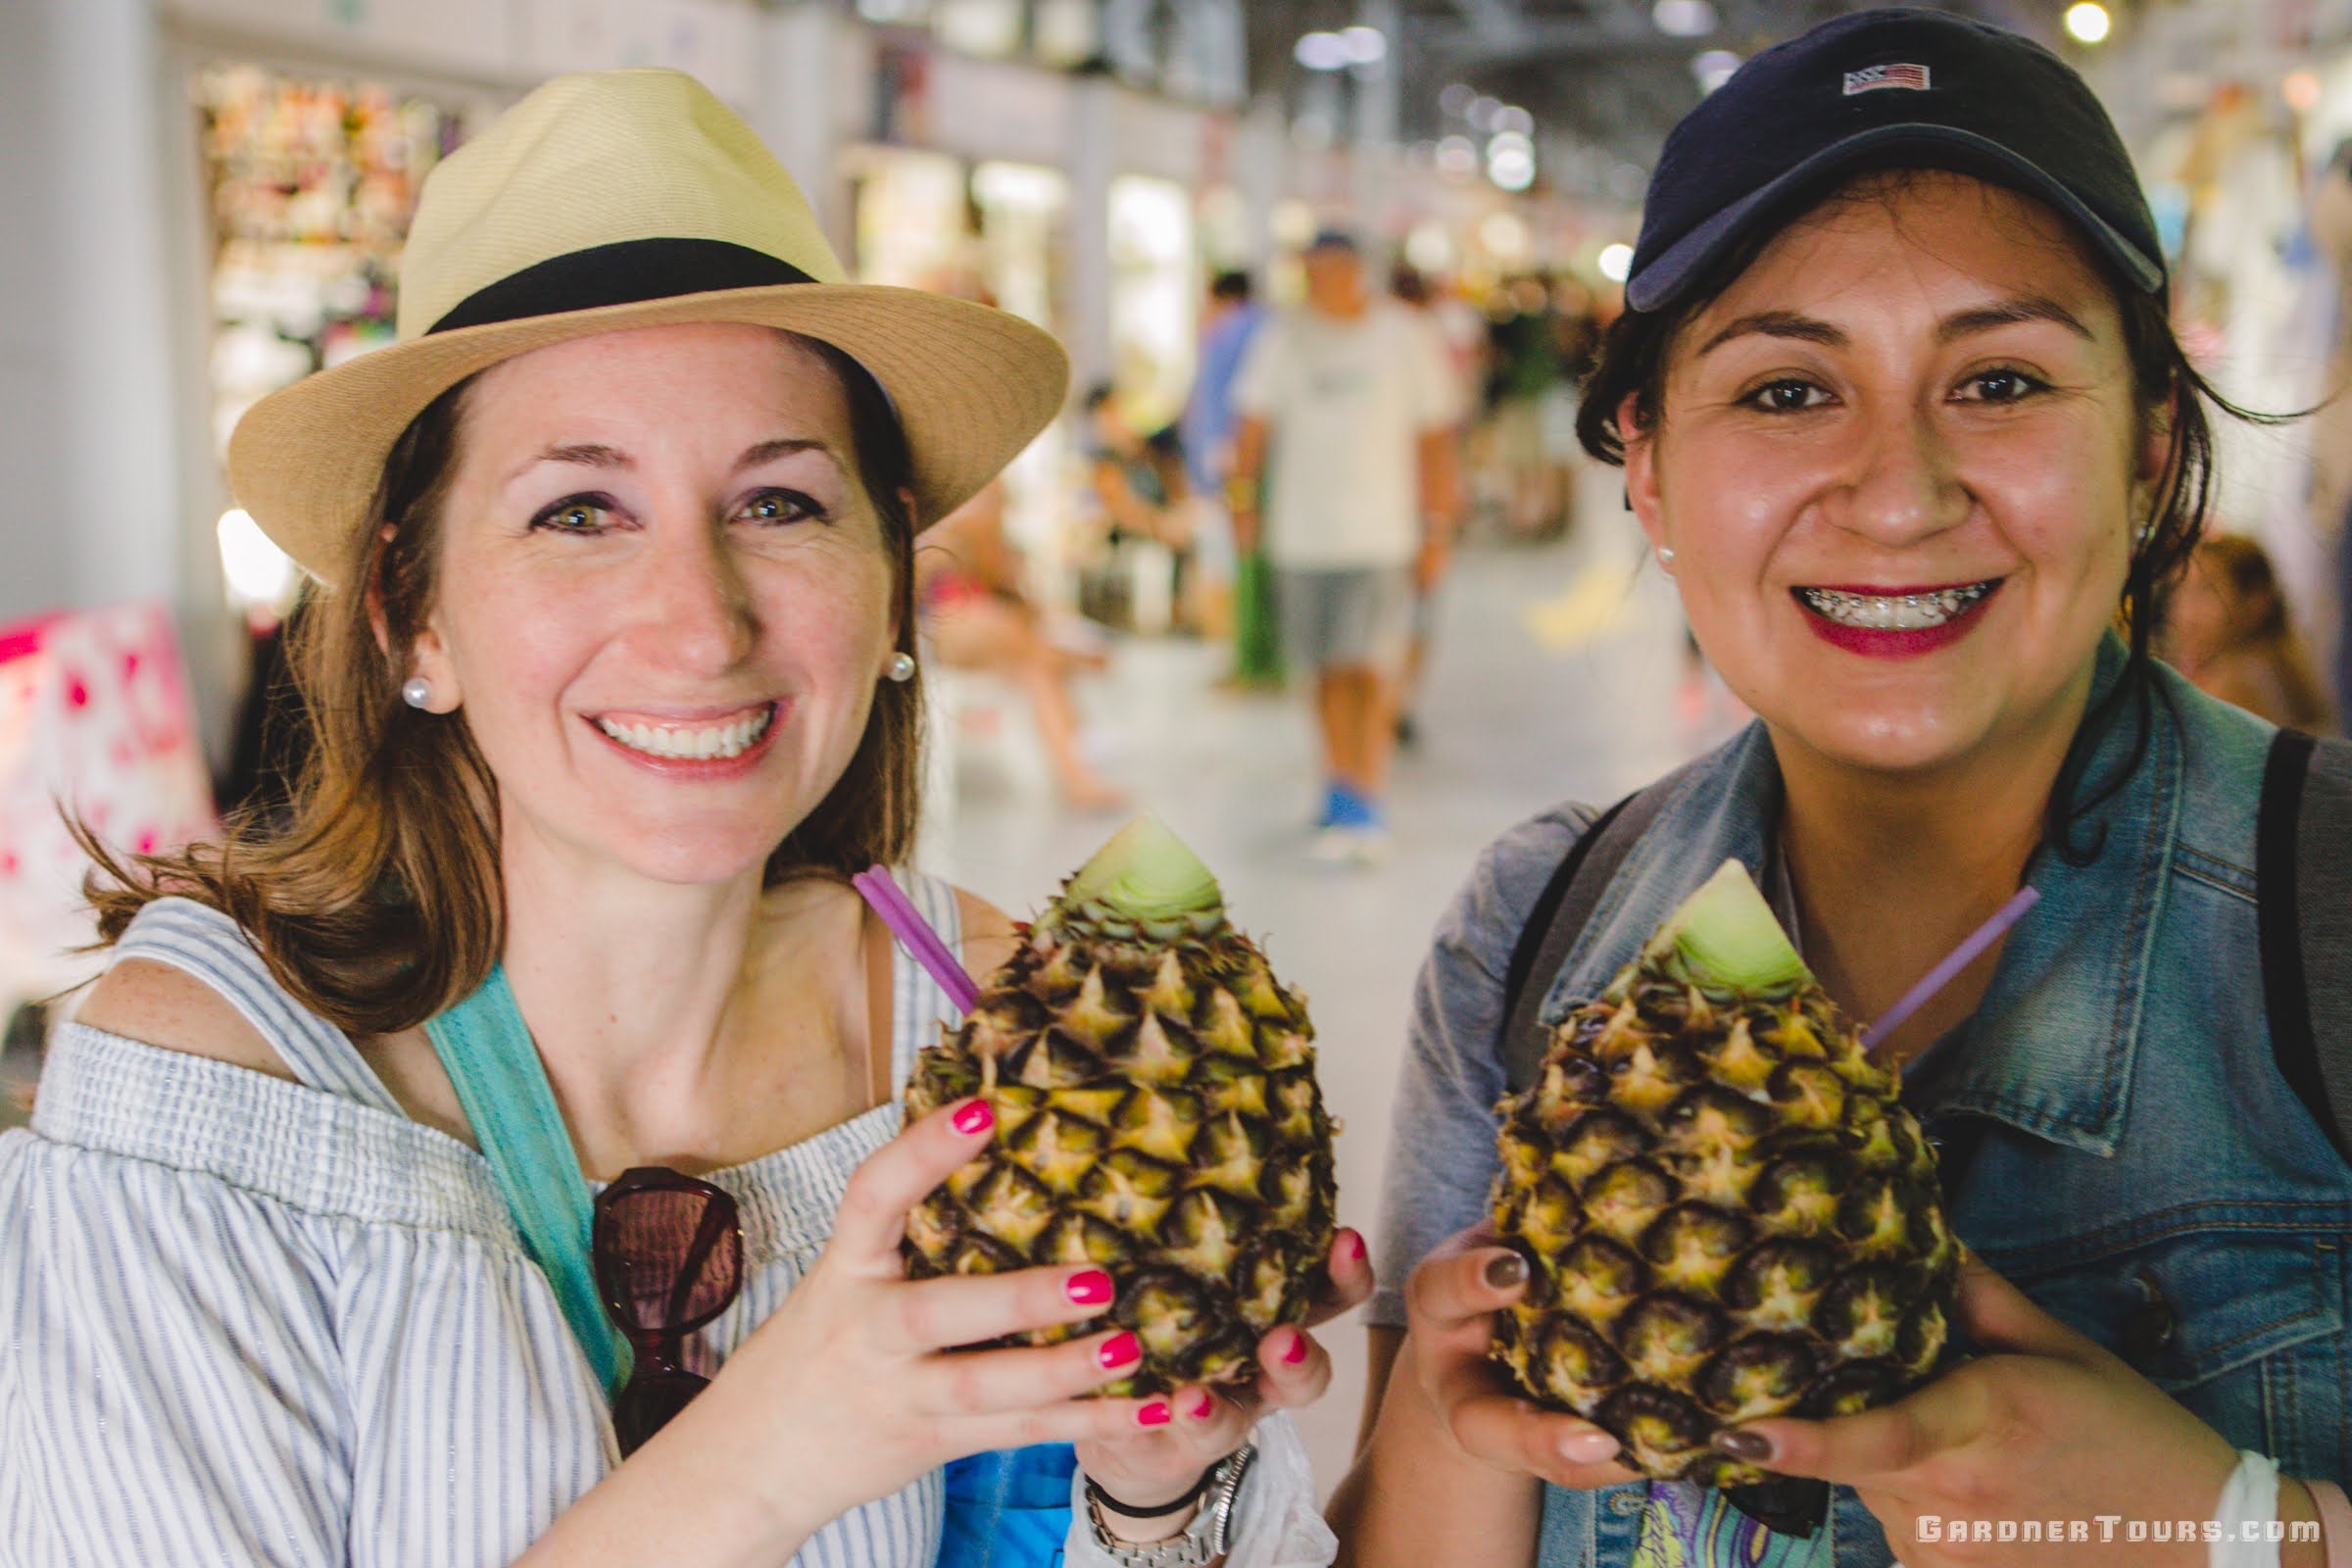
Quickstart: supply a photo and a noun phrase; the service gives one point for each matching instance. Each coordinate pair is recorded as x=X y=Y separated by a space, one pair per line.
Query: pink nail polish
x=1355 y=1246
x=975 y=1120
x=1297 y=1350
x=1154 y=1414
x=1206 y=1409
x=1120 y=1349
x=1089 y=1289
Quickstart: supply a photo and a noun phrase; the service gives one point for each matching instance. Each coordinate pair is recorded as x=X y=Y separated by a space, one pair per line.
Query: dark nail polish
x=1089 y=1289
x=975 y=1120
x=1752 y=1446
x=1506 y=1271
x=1119 y=1349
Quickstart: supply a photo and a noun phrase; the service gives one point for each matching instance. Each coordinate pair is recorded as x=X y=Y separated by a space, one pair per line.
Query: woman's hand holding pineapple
x=1452 y=1299
x=1149 y=1466
x=856 y=1377
x=2044 y=1425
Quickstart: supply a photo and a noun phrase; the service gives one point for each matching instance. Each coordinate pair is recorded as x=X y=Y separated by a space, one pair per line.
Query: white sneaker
x=1357 y=843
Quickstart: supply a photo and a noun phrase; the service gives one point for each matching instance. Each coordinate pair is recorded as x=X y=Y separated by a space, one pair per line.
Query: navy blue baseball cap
x=1881 y=89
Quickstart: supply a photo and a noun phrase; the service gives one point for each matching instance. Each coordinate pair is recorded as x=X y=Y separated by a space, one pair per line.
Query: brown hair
x=377 y=902
x=1634 y=355
x=2259 y=622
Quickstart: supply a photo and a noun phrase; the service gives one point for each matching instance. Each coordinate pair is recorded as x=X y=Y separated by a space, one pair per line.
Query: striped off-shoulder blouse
x=246 y=1321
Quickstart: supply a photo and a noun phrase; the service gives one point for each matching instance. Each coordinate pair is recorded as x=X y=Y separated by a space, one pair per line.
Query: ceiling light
x=1714 y=68
x=1456 y=99
x=1515 y=118
x=1615 y=262
x=1684 y=19
x=2087 y=22
x=1322 y=51
x=1481 y=113
x=1366 y=46
x=1511 y=171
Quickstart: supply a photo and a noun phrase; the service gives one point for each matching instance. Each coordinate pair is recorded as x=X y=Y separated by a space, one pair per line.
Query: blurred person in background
x=364 y=1212
x=969 y=583
x=1230 y=317
x=1525 y=376
x=2227 y=628
x=1137 y=480
x=1347 y=417
x=1414 y=290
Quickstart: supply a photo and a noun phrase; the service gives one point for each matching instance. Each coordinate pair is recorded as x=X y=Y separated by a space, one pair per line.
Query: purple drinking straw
x=1959 y=958
x=882 y=892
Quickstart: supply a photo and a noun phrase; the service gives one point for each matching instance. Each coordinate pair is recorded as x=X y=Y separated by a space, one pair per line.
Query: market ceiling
x=1607 y=74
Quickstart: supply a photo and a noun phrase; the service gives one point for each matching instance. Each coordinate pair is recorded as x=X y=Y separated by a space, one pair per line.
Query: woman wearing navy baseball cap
x=1903 y=415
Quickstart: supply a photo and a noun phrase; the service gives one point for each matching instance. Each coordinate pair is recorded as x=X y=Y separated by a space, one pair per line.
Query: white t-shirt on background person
x=1346 y=403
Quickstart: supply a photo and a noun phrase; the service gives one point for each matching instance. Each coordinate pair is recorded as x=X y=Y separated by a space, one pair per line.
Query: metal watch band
x=1202 y=1541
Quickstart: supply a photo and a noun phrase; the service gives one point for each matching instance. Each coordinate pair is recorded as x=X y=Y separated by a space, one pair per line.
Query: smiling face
x=1899 y=461
x=665 y=596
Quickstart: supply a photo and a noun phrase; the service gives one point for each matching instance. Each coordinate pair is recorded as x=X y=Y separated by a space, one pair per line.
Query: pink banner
x=94 y=716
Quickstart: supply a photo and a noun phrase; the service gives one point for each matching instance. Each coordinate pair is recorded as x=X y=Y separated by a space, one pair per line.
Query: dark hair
x=376 y=901
x=1407 y=284
x=1632 y=361
x=1100 y=393
x=1235 y=286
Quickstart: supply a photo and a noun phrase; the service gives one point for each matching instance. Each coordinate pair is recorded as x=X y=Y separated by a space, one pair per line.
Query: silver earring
x=902 y=667
x=416 y=691
x=1666 y=556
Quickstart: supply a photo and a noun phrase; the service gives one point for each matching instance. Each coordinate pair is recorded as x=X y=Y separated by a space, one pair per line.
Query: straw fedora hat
x=615 y=199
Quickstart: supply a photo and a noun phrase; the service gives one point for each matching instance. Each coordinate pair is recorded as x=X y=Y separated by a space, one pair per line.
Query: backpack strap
x=2303 y=882
x=1558 y=918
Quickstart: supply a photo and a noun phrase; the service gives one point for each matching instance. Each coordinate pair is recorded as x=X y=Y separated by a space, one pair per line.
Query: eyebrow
x=2011 y=312
x=596 y=455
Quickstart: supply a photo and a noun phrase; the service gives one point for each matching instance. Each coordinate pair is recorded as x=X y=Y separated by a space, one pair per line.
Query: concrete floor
x=1555 y=676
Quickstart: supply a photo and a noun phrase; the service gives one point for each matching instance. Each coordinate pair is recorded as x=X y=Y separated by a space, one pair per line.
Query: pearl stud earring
x=902 y=667
x=416 y=691
x=1666 y=556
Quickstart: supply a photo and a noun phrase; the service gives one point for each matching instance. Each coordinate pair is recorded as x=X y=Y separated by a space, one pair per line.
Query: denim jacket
x=2143 y=1171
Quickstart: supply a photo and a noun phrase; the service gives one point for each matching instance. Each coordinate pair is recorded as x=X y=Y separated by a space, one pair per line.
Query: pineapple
x=1725 y=1212
x=1156 y=1116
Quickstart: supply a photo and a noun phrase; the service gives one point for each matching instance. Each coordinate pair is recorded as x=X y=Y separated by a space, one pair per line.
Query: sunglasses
x=668 y=1252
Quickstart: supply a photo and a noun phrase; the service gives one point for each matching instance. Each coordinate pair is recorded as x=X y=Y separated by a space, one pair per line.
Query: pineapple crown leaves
x=1144 y=883
x=1725 y=940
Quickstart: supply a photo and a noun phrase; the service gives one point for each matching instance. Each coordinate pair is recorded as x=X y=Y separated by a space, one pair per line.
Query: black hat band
x=627 y=272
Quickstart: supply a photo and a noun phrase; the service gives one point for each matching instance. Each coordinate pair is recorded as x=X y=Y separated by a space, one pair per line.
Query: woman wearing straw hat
x=1903 y=415
x=305 y=1261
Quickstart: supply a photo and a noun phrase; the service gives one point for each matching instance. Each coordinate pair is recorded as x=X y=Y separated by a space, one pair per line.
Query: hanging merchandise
x=94 y=717
x=312 y=185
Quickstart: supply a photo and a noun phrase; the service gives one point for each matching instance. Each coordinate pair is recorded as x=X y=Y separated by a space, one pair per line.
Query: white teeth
x=1893 y=613
x=694 y=745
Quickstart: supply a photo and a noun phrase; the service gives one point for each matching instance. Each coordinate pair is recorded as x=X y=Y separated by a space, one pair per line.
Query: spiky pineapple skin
x=1158 y=1115
x=1727 y=1214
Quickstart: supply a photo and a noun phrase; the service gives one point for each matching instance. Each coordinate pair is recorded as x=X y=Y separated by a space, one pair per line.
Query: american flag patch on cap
x=1913 y=77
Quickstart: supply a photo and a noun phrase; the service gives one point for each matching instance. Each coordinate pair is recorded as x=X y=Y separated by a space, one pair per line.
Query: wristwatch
x=1203 y=1539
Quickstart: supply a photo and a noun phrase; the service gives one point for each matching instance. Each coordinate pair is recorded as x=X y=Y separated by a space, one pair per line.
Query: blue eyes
x=589 y=514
